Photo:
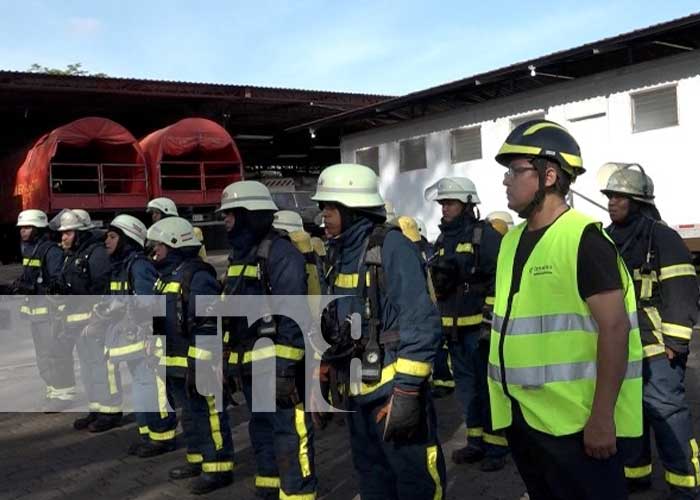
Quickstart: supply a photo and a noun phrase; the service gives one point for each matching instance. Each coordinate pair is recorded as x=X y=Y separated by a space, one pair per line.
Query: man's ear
x=551 y=175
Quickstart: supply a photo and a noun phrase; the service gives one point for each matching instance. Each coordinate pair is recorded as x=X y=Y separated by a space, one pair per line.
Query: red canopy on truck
x=192 y=161
x=91 y=163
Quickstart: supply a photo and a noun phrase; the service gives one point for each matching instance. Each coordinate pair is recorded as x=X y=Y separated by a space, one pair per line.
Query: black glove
x=286 y=393
x=403 y=415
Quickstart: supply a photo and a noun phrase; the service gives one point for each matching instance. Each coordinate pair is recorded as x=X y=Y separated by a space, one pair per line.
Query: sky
x=376 y=47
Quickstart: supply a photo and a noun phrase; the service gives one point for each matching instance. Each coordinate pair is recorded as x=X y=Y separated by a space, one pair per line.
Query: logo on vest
x=541 y=270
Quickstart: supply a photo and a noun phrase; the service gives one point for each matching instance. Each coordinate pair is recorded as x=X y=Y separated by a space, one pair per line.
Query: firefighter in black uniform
x=184 y=277
x=392 y=421
x=464 y=269
x=667 y=295
x=86 y=270
x=264 y=261
x=41 y=267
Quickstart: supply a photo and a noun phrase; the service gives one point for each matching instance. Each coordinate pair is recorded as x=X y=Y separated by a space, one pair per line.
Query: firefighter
x=565 y=359
x=464 y=269
x=159 y=208
x=41 y=268
x=667 y=295
x=391 y=417
x=86 y=271
x=264 y=261
x=184 y=277
x=501 y=221
x=128 y=340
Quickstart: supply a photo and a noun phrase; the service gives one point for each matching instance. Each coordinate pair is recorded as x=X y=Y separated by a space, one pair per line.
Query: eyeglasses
x=512 y=172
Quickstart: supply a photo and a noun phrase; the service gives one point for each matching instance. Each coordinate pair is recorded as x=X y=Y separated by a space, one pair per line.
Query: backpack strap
x=372 y=261
x=133 y=258
x=262 y=256
x=189 y=269
x=477 y=234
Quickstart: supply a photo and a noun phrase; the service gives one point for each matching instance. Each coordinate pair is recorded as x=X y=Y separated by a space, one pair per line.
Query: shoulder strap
x=372 y=259
x=43 y=248
x=262 y=255
x=129 y=264
x=189 y=268
x=477 y=233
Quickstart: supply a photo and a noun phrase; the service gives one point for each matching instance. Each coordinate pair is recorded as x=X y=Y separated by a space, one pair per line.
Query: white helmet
x=453 y=188
x=165 y=205
x=354 y=186
x=288 y=220
x=174 y=232
x=131 y=227
x=421 y=227
x=33 y=218
x=251 y=195
x=70 y=221
x=501 y=215
x=85 y=217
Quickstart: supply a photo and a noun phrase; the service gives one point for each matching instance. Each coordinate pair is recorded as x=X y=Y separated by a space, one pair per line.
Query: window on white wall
x=519 y=120
x=412 y=152
x=654 y=109
x=466 y=144
x=369 y=157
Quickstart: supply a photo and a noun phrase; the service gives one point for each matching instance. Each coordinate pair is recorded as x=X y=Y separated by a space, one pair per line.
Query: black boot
x=492 y=464
x=155 y=448
x=134 y=447
x=467 y=455
x=206 y=483
x=105 y=422
x=267 y=493
x=185 y=471
x=82 y=423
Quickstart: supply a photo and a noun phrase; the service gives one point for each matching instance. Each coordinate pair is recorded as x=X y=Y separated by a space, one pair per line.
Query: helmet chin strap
x=540 y=164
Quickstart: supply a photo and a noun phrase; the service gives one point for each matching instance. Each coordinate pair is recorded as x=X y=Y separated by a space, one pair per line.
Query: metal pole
x=589 y=200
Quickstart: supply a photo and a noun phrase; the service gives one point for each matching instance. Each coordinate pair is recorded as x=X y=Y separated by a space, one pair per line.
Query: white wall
x=666 y=154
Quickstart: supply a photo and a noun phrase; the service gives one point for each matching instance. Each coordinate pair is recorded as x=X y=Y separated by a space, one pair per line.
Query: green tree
x=75 y=69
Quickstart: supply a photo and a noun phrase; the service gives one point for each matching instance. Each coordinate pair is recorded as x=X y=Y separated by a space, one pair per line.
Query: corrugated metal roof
x=504 y=74
x=83 y=81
